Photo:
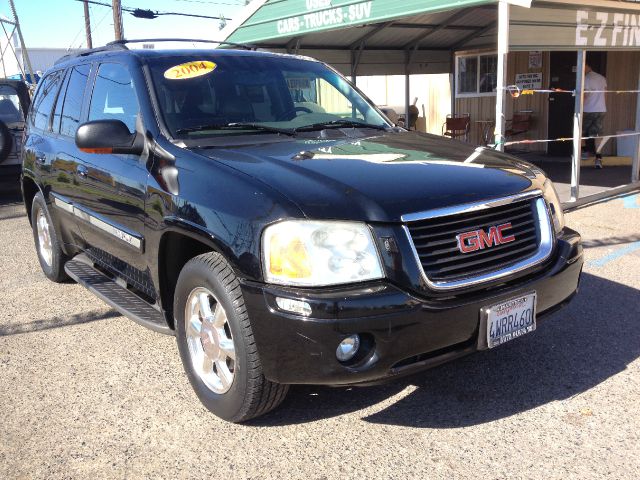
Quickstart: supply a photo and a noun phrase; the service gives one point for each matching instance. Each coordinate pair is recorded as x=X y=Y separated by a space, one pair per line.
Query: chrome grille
x=445 y=266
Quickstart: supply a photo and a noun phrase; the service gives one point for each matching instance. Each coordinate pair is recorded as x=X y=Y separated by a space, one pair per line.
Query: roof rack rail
x=186 y=40
x=106 y=48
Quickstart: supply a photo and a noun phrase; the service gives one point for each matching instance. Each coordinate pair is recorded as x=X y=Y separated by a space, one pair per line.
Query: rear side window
x=114 y=96
x=46 y=96
x=72 y=107
x=10 y=109
x=57 y=111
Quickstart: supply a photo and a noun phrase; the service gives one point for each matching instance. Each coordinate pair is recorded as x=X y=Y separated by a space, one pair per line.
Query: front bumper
x=407 y=332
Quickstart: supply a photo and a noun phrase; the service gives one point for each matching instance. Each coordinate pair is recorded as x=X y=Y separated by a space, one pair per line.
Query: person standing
x=594 y=110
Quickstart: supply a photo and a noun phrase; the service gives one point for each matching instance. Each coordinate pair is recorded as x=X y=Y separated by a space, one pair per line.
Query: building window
x=468 y=75
x=476 y=75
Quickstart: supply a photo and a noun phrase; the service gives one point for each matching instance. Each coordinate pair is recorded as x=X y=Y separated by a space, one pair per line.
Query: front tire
x=50 y=254
x=216 y=344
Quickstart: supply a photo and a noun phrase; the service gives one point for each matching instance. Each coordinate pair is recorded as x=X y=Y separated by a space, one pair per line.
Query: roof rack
x=185 y=40
x=122 y=45
x=107 y=48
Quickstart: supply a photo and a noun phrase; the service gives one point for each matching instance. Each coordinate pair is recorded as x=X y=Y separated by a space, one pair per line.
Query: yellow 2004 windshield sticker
x=190 y=70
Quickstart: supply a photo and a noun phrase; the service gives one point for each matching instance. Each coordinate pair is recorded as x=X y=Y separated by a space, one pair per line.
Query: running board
x=81 y=269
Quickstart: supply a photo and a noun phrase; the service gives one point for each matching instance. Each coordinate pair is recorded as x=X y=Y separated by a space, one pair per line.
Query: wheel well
x=29 y=190
x=176 y=250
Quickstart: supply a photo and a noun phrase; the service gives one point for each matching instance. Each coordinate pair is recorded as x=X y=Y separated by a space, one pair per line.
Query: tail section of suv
x=14 y=103
x=262 y=210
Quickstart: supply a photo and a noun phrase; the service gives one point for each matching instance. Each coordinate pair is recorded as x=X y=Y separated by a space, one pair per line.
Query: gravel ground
x=86 y=393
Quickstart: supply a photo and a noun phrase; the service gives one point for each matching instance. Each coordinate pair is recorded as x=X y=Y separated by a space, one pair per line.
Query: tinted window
x=114 y=96
x=10 y=109
x=46 y=96
x=73 y=100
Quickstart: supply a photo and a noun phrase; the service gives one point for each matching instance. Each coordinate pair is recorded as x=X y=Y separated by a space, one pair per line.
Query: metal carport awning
x=370 y=37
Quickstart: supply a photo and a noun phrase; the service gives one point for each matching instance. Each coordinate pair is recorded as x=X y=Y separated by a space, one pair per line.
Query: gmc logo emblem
x=479 y=239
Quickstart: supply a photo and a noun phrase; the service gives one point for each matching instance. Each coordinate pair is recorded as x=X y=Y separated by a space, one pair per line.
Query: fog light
x=348 y=348
x=295 y=306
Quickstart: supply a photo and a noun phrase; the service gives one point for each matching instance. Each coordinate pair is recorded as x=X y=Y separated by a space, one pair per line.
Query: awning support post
x=407 y=82
x=577 y=127
x=635 y=165
x=354 y=67
x=452 y=82
x=501 y=92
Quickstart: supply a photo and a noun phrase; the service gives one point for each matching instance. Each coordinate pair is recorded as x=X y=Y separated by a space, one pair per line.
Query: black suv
x=262 y=210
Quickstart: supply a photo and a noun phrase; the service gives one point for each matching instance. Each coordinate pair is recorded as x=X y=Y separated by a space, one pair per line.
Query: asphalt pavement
x=86 y=393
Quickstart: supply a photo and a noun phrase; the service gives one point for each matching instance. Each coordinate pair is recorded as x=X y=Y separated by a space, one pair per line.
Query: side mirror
x=108 y=136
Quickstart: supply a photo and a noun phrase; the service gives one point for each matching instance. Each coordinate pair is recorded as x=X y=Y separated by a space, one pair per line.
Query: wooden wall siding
x=483 y=108
x=623 y=70
x=622 y=73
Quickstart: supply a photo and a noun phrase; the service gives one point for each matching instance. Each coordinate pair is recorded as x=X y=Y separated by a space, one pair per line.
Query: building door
x=561 y=105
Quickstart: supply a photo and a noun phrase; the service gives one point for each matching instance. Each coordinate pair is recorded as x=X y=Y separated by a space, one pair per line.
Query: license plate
x=511 y=319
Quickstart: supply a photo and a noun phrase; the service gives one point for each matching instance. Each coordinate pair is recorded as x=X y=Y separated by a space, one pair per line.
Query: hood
x=379 y=178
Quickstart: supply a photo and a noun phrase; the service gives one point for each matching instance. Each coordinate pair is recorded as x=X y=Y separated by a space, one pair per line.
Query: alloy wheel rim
x=44 y=238
x=210 y=341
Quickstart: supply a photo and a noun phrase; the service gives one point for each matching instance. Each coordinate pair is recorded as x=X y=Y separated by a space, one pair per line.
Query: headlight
x=316 y=253
x=551 y=196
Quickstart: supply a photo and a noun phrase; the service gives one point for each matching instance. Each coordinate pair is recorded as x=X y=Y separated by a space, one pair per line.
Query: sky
x=60 y=23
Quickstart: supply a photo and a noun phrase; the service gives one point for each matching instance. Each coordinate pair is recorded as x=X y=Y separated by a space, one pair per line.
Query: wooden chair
x=456 y=127
x=519 y=124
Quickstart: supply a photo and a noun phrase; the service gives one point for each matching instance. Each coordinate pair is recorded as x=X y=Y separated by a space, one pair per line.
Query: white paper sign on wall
x=529 y=81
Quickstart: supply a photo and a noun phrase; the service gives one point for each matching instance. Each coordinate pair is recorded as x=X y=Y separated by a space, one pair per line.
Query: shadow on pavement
x=610 y=241
x=559 y=170
x=592 y=180
x=16 y=212
x=11 y=205
x=56 y=322
x=571 y=352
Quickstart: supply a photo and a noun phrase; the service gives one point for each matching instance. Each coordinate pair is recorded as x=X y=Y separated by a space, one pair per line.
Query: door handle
x=82 y=171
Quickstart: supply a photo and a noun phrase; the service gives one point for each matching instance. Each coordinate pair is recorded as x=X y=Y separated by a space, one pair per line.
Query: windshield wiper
x=340 y=123
x=237 y=126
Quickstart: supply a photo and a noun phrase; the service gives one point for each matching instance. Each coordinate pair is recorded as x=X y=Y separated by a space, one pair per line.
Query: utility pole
x=87 y=24
x=25 y=54
x=117 y=20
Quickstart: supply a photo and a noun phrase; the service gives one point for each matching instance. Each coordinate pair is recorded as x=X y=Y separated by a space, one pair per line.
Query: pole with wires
x=87 y=24
x=25 y=54
x=117 y=20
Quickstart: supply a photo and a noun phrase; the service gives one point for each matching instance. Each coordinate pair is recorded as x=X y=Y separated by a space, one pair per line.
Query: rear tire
x=50 y=254
x=216 y=343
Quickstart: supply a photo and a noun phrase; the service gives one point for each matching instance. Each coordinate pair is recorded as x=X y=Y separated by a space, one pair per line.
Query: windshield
x=10 y=110
x=220 y=95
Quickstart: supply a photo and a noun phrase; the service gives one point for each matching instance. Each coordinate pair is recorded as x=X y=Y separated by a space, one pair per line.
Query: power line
x=150 y=14
x=75 y=38
x=95 y=27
